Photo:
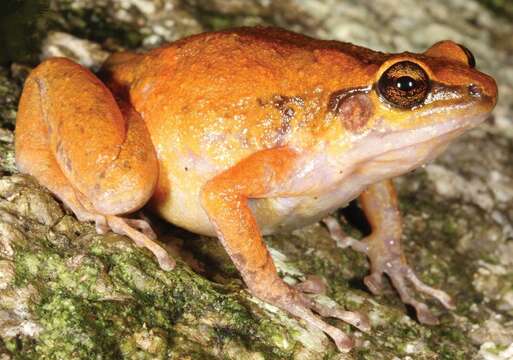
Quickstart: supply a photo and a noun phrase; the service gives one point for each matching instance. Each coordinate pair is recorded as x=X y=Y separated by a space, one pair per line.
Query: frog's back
x=225 y=95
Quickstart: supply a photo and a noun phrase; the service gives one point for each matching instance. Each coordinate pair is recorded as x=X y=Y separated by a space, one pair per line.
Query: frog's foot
x=143 y=238
x=386 y=257
x=103 y=227
x=400 y=274
x=138 y=230
x=128 y=227
x=300 y=305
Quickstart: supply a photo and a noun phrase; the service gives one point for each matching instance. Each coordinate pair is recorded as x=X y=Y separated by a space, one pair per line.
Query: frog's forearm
x=225 y=199
x=379 y=202
x=105 y=151
x=383 y=247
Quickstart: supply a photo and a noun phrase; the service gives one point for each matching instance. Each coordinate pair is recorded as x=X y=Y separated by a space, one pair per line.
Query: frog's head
x=414 y=104
x=413 y=90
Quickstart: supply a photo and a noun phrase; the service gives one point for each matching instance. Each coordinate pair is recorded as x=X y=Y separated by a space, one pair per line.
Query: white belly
x=276 y=215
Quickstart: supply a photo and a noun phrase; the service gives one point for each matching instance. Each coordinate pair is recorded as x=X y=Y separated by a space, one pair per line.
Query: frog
x=247 y=132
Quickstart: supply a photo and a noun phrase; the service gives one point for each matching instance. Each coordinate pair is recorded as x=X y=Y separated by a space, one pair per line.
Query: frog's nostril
x=474 y=90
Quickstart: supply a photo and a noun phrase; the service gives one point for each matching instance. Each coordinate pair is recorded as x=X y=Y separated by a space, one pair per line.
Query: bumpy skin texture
x=248 y=132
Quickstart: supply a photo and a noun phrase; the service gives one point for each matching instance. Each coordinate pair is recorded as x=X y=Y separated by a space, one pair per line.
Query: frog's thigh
x=33 y=155
x=225 y=199
x=102 y=148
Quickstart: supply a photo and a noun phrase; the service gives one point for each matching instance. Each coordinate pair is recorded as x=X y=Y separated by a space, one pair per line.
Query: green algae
x=98 y=296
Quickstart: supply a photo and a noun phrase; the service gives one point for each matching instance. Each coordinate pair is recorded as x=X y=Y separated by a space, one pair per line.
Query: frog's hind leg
x=92 y=152
x=383 y=247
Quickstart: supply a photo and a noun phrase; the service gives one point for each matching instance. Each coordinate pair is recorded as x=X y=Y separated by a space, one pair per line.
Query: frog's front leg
x=91 y=150
x=225 y=199
x=383 y=247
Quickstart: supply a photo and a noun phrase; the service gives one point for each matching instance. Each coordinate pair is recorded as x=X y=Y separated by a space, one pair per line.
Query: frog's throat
x=398 y=152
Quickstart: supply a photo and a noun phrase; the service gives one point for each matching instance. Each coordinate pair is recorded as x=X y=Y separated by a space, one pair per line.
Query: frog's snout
x=483 y=88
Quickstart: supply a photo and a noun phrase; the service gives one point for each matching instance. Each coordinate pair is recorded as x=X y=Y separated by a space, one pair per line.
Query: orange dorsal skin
x=247 y=132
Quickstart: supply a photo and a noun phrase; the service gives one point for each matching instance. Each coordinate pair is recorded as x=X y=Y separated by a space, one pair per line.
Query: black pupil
x=405 y=83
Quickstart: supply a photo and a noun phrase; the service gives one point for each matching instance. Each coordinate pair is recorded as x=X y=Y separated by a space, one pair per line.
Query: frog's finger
x=424 y=315
x=312 y=284
x=120 y=226
x=360 y=321
x=444 y=298
x=342 y=240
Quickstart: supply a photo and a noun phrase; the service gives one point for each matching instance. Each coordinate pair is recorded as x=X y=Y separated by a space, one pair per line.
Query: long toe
x=122 y=227
x=143 y=226
x=444 y=298
x=398 y=276
x=360 y=321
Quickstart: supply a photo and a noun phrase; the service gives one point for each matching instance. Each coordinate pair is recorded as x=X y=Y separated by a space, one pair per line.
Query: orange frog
x=248 y=132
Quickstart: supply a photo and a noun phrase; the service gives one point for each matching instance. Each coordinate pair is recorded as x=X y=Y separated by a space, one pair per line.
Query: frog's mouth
x=384 y=152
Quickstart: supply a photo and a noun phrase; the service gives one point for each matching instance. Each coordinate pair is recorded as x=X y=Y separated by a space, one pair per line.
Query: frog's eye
x=404 y=85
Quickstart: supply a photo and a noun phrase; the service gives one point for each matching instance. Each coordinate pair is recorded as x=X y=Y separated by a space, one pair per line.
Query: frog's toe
x=143 y=226
x=313 y=284
x=101 y=225
x=123 y=227
x=360 y=321
x=341 y=239
x=399 y=274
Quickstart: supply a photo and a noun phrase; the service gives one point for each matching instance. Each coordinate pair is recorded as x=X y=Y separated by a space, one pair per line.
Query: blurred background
x=458 y=211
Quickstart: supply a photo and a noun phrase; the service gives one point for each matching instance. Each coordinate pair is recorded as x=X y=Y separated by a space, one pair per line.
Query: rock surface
x=66 y=292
